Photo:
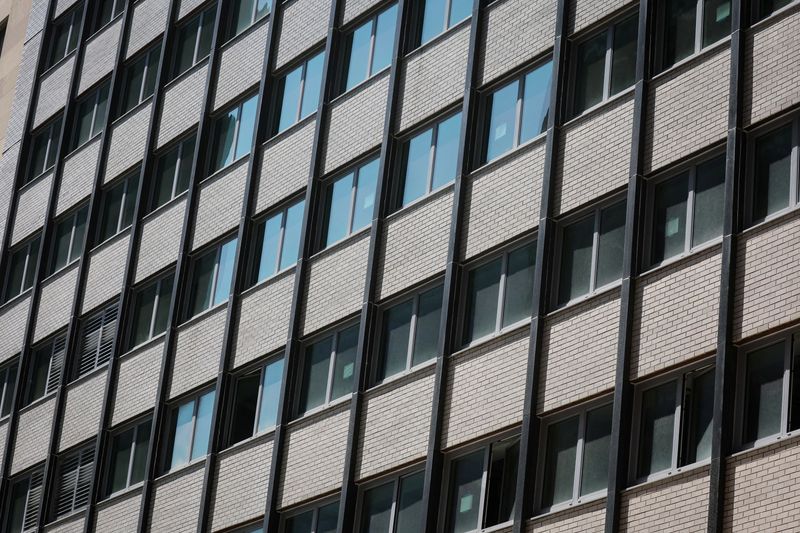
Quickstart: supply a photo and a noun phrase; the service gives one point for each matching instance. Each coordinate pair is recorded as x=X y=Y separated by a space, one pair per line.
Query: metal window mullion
x=431 y=159
x=518 y=110
x=372 y=37
x=331 y=369
x=688 y=236
x=303 y=72
x=395 y=509
x=448 y=4
x=281 y=237
x=412 y=332
x=501 y=294
x=262 y=376
x=676 y=423
x=595 y=250
x=487 y=462
x=151 y=329
x=133 y=454
x=793 y=163
x=353 y=197
x=579 y=448
x=785 y=386
x=609 y=59
x=698 y=26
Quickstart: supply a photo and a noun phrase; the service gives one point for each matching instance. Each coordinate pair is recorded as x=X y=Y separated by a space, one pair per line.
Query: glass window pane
x=243 y=417
x=182 y=431
x=290 y=101
x=203 y=425
x=344 y=367
x=483 y=288
x=426 y=337
x=202 y=280
x=62 y=244
x=100 y=114
x=270 y=241
x=83 y=127
x=559 y=475
x=242 y=15
x=716 y=20
x=247 y=123
x=164 y=301
x=186 y=44
x=418 y=152
x=140 y=452
x=669 y=218
x=223 y=139
x=657 y=429
x=709 y=195
x=55 y=132
x=315 y=374
x=576 y=260
x=794 y=386
x=679 y=30
x=152 y=70
x=376 y=513
x=502 y=120
x=133 y=85
x=590 y=71
x=611 y=244
x=206 y=33
x=465 y=493
x=701 y=401
x=433 y=19
x=291 y=235
x=536 y=102
x=518 y=303
x=112 y=204
x=39 y=153
x=459 y=10
x=358 y=64
x=79 y=234
x=16 y=273
x=409 y=506
x=396 y=331
x=384 y=39
x=225 y=271
x=129 y=204
x=339 y=198
x=597 y=440
x=165 y=177
x=623 y=60
x=365 y=196
x=446 y=155
x=75 y=23
x=767 y=7
x=60 y=38
x=37 y=382
x=327 y=517
x=763 y=392
x=30 y=268
x=185 y=165
x=772 y=172
x=270 y=395
x=312 y=85
x=501 y=486
x=301 y=523
x=121 y=448
x=143 y=314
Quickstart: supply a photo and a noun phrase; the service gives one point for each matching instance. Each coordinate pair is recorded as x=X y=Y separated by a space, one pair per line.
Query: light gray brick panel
x=128 y=137
x=335 y=286
x=263 y=325
x=187 y=6
x=119 y=514
x=354 y=8
x=303 y=24
x=161 y=237
x=8 y=164
x=53 y=91
x=55 y=301
x=36 y=18
x=137 y=382
x=220 y=204
x=176 y=500
x=240 y=64
x=242 y=480
x=12 y=314
x=502 y=200
x=70 y=524
x=198 y=350
x=594 y=155
x=421 y=232
x=286 y=164
x=31 y=208
x=395 y=423
x=82 y=412
x=77 y=177
x=515 y=30
x=106 y=270
x=3 y=436
x=99 y=56
x=433 y=77
x=583 y=13
x=33 y=435
x=182 y=106
x=688 y=109
x=356 y=122
x=22 y=91
x=313 y=462
x=149 y=21
x=62 y=6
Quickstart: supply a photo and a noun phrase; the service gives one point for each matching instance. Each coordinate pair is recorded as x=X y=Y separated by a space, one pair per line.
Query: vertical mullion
x=698 y=26
x=518 y=108
x=595 y=250
x=676 y=423
x=261 y=377
x=609 y=59
x=303 y=72
x=331 y=368
x=576 y=481
x=432 y=159
x=487 y=463
x=412 y=333
x=688 y=236
x=501 y=293
x=281 y=238
x=785 y=386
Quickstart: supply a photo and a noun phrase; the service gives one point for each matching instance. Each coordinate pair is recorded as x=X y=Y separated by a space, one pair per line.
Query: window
x=517 y=112
x=45 y=372
x=605 y=64
x=439 y=15
x=299 y=91
x=151 y=310
x=44 y=146
x=369 y=47
x=233 y=133
x=764 y=8
x=128 y=456
x=247 y=12
x=211 y=277
x=482 y=487
x=321 y=519
x=328 y=369
x=393 y=507
x=64 y=35
x=97 y=338
x=108 y=11
x=769 y=389
x=688 y=26
x=118 y=205
x=140 y=79
x=8 y=379
x=190 y=429
x=69 y=238
x=74 y=481
x=499 y=293
x=575 y=457
x=278 y=238
x=24 y=502
x=350 y=202
x=430 y=159
x=774 y=183
x=194 y=41
x=91 y=115
x=173 y=171
x=674 y=422
x=591 y=253
x=255 y=402
x=410 y=333
x=21 y=268
x=687 y=210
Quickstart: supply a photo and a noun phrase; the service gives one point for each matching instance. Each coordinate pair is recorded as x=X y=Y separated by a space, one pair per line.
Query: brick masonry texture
x=7 y=168
x=220 y=204
x=161 y=237
x=421 y=231
x=176 y=500
x=240 y=64
x=187 y=7
x=241 y=483
x=53 y=91
x=149 y=21
x=77 y=179
x=589 y=517
x=82 y=411
x=516 y=31
x=587 y=331
x=502 y=199
x=582 y=13
x=33 y=434
x=688 y=108
x=128 y=137
x=198 y=350
x=475 y=405
x=303 y=24
x=62 y=6
x=594 y=155
x=12 y=314
x=182 y=105
x=36 y=18
x=135 y=390
x=106 y=270
x=314 y=456
x=675 y=313
x=55 y=305
x=22 y=91
x=433 y=77
x=285 y=164
x=31 y=208
x=101 y=52
x=72 y=524
x=119 y=514
x=395 y=423
x=3 y=437
x=354 y=8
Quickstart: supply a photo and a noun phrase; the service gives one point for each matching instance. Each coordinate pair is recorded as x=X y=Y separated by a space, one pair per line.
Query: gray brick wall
x=149 y=21
x=8 y=163
x=285 y=164
x=3 y=436
x=99 y=55
x=182 y=104
x=240 y=64
x=55 y=302
x=36 y=19
x=71 y=524
x=187 y=6
x=220 y=204
x=303 y=24
x=128 y=139
x=12 y=314
x=62 y=6
x=199 y=346
x=53 y=91
x=582 y=13
x=119 y=514
x=161 y=237
x=33 y=435
x=587 y=517
x=31 y=208
x=137 y=381
x=354 y=8
x=77 y=178
x=82 y=411
x=176 y=500
x=22 y=91
x=106 y=270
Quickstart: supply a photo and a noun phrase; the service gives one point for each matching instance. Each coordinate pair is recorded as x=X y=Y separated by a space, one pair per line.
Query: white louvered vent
x=97 y=340
x=30 y=521
x=74 y=481
x=56 y=364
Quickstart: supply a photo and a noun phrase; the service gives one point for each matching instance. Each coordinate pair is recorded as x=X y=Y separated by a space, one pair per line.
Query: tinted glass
x=433 y=19
x=187 y=39
x=358 y=65
x=518 y=302
x=483 y=288
x=270 y=394
x=247 y=123
x=206 y=33
x=701 y=404
x=182 y=434
x=409 y=506
x=290 y=102
x=133 y=84
x=576 y=260
x=63 y=238
x=767 y=7
x=339 y=199
x=100 y=112
x=112 y=205
x=709 y=195
x=315 y=374
x=165 y=177
x=16 y=511
x=202 y=427
x=502 y=121
x=763 y=392
x=242 y=15
x=594 y=474
x=202 y=280
x=396 y=331
x=590 y=69
x=446 y=155
x=301 y=523
x=669 y=218
x=224 y=136
x=140 y=452
x=679 y=30
x=344 y=366
x=270 y=242
x=623 y=60
x=716 y=20
x=143 y=314
x=536 y=102
x=121 y=449
x=610 y=245
x=244 y=408
x=772 y=173
x=225 y=272
x=426 y=337
x=312 y=85
x=384 y=39
x=657 y=427
x=291 y=235
x=415 y=184
x=502 y=478
x=465 y=493
x=376 y=511
x=129 y=203
x=559 y=475
x=327 y=517
x=365 y=196
x=162 y=310
x=83 y=126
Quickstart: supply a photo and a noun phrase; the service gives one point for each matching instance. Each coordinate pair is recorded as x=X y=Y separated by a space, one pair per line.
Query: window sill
x=766 y=442
x=341 y=243
x=37 y=402
x=63 y=519
x=428 y=197
x=205 y=313
x=696 y=57
x=422 y=48
x=57 y=64
x=407 y=375
x=247 y=31
x=181 y=469
x=15 y=299
x=697 y=250
x=775 y=219
x=63 y=271
x=322 y=411
x=103 y=28
x=89 y=375
x=514 y=152
x=275 y=139
x=506 y=331
x=774 y=16
x=185 y=74
x=121 y=494
x=253 y=440
x=118 y=236
x=84 y=144
x=667 y=474
x=224 y=171
x=142 y=346
x=572 y=505
x=599 y=107
x=269 y=280
x=130 y=112
x=164 y=207
x=31 y=182
x=575 y=302
x=361 y=86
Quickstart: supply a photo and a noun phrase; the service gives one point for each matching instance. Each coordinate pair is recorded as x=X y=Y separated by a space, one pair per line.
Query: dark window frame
x=661 y=64
x=71 y=21
x=169 y=443
x=216 y=249
x=73 y=255
x=217 y=125
x=354 y=170
x=180 y=146
x=51 y=149
x=313 y=508
x=56 y=345
x=79 y=493
x=346 y=50
x=200 y=18
x=260 y=370
x=117 y=9
x=95 y=127
x=396 y=479
x=150 y=58
x=8 y=381
x=135 y=425
x=260 y=226
x=125 y=181
x=280 y=78
x=34 y=241
x=157 y=282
